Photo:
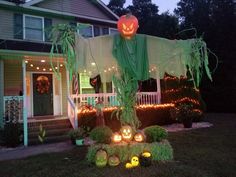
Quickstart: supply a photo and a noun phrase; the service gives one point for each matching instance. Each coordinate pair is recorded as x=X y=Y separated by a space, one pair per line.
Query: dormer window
x=33 y=28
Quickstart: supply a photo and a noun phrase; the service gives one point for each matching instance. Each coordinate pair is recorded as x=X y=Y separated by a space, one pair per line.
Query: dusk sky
x=163 y=5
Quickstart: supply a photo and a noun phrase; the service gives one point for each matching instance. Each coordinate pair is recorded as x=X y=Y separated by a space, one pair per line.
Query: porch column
x=158 y=86
x=1 y=92
x=25 y=123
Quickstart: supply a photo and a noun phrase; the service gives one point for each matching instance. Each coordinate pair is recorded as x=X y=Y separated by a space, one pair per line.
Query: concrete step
x=49 y=127
x=50 y=132
x=52 y=139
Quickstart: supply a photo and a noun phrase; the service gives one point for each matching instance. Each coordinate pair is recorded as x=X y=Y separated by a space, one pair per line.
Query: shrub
x=12 y=134
x=155 y=133
x=101 y=134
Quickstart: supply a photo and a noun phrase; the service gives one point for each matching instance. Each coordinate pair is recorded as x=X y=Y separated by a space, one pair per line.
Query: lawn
x=209 y=152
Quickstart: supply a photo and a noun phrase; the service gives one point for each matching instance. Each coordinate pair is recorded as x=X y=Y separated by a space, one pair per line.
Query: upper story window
x=113 y=31
x=33 y=28
x=85 y=30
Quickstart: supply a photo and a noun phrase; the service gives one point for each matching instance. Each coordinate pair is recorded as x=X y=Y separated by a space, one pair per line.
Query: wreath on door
x=42 y=84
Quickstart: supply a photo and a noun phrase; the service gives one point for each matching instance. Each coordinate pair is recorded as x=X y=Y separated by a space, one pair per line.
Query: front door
x=42 y=94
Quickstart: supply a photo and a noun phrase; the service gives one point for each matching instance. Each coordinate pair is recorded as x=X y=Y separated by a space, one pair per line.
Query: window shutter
x=47 y=29
x=18 y=26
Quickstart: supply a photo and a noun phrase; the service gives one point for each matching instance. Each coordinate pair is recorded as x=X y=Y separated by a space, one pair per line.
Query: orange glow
x=138 y=137
x=116 y=138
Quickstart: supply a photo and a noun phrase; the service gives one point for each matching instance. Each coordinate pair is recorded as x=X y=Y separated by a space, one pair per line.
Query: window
x=85 y=30
x=113 y=31
x=33 y=28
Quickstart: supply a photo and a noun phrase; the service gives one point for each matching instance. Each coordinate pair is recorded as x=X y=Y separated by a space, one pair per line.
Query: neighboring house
x=25 y=47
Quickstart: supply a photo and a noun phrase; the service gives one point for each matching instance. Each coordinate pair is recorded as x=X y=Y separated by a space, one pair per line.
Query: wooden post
x=25 y=123
x=158 y=86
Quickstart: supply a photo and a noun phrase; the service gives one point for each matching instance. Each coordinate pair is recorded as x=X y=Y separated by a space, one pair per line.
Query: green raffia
x=126 y=88
x=63 y=37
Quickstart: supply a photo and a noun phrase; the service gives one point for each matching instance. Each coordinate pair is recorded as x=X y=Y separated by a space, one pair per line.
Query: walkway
x=23 y=152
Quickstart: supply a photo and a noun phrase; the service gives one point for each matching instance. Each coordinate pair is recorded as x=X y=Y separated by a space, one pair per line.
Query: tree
x=216 y=21
x=117 y=6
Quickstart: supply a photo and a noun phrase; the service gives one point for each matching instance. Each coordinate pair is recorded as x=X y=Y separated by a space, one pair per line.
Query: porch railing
x=72 y=112
x=110 y=99
x=13 y=107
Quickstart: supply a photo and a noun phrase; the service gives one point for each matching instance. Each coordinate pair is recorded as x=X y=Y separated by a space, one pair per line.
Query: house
x=25 y=70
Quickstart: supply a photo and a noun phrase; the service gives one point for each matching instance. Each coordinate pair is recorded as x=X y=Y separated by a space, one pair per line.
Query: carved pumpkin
x=101 y=158
x=127 y=26
x=139 y=137
x=127 y=132
x=116 y=137
x=113 y=161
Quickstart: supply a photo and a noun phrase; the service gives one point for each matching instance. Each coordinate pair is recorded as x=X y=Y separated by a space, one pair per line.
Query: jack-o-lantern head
x=127 y=26
x=116 y=137
x=139 y=137
x=127 y=132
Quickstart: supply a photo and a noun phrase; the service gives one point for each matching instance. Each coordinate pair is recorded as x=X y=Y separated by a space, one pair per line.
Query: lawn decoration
x=116 y=137
x=134 y=162
x=101 y=158
x=127 y=26
x=126 y=132
x=139 y=137
x=113 y=161
x=145 y=159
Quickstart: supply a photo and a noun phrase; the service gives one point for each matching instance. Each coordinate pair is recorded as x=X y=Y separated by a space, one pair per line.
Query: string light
x=31 y=65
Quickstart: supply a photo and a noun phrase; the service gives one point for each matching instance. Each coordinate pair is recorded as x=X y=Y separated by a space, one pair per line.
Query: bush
x=12 y=134
x=78 y=133
x=155 y=133
x=101 y=134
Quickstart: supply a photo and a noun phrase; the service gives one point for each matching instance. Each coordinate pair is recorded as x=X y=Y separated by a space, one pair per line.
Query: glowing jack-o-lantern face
x=127 y=26
x=116 y=137
x=138 y=137
x=127 y=133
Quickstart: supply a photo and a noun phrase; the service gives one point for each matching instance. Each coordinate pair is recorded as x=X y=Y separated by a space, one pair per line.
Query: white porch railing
x=72 y=113
x=13 y=107
x=110 y=99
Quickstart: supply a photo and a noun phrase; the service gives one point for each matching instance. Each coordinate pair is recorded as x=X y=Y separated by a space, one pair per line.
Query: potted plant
x=183 y=113
x=77 y=135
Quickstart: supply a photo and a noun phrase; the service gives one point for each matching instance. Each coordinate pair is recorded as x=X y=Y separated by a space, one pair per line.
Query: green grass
x=209 y=152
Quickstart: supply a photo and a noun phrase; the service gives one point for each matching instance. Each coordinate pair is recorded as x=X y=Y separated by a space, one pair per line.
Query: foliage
x=63 y=38
x=155 y=133
x=12 y=134
x=185 y=111
x=160 y=151
x=42 y=134
x=101 y=134
x=79 y=133
x=117 y=6
x=214 y=20
x=126 y=88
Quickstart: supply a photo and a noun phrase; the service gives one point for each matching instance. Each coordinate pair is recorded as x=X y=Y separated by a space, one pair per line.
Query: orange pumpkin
x=139 y=137
x=127 y=26
x=126 y=132
x=116 y=137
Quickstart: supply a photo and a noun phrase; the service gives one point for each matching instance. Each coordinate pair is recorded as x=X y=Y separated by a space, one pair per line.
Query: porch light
x=43 y=61
x=26 y=61
x=50 y=69
x=61 y=65
x=56 y=67
x=37 y=68
x=31 y=65
x=44 y=69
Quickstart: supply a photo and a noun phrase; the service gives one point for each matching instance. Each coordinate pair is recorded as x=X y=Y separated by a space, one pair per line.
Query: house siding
x=78 y=7
x=1 y=91
x=13 y=77
x=6 y=25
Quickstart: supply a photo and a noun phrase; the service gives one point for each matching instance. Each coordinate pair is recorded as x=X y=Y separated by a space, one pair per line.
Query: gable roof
x=99 y=3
